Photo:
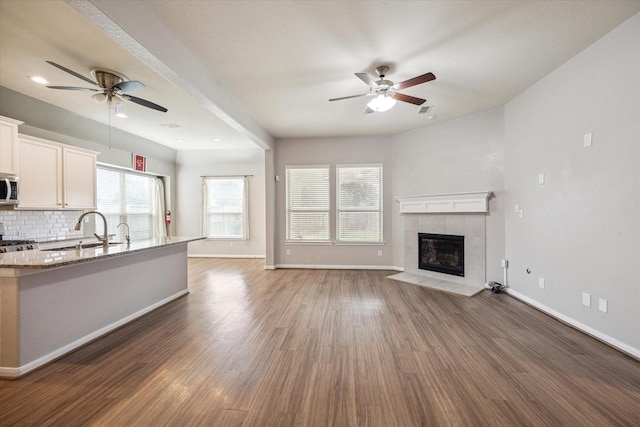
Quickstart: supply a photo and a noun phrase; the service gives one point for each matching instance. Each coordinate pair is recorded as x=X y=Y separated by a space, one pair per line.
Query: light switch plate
x=602 y=305
x=587 y=139
x=586 y=299
x=521 y=213
x=541 y=282
x=540 y=178
x=517 y=208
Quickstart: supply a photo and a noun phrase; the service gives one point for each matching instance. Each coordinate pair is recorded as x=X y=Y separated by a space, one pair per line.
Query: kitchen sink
x=84 y=246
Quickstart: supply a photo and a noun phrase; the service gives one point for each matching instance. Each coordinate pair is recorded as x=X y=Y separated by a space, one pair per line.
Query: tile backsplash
x=39 y=225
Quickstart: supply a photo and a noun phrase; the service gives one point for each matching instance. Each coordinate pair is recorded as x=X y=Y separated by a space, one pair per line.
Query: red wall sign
x=139 y=163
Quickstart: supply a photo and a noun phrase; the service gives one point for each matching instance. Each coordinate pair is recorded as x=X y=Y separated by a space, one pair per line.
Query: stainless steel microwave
x=9 y=189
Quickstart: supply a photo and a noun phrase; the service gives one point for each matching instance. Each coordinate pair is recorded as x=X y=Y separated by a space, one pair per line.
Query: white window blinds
x=307 y=203
x=359 y=203
x=225 y=207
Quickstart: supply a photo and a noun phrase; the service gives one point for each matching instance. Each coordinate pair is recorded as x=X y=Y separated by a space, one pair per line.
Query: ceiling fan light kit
x=381 y=103
x=386 y=92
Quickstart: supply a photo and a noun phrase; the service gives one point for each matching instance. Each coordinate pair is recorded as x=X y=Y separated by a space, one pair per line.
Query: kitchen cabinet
x=9 y=145
x=56 y=176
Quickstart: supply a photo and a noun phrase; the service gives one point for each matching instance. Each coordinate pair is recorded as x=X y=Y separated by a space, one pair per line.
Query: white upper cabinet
x=56 y=176
x=78 y=178
x=9 y=145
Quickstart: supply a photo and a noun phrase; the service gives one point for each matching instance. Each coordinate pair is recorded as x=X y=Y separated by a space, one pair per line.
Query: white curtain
x=245 y=208
x=204 y=213
x=159 y=225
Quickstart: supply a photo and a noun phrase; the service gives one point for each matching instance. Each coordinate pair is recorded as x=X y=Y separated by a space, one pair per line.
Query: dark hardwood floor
x=249 y=347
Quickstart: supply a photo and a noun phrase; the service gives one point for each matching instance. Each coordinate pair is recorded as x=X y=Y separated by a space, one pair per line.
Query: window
x=134 y=199
x=307 y=203
x=225 y=207
x=359 y=203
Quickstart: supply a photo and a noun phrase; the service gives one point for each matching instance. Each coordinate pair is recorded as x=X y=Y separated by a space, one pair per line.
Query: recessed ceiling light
x=217 y=140
x=181 y=141
x=431 y=117
x=121 y=115
x=39 y=80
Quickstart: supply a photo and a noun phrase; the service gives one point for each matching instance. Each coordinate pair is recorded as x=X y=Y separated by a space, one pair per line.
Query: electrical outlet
x=379 y=253
x=288 y=251
x=602 y=305
x=586 y=299
x=541 y=282
x=230 y=244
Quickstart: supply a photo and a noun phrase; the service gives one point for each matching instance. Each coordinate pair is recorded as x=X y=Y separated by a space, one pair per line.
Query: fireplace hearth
x=443 y=253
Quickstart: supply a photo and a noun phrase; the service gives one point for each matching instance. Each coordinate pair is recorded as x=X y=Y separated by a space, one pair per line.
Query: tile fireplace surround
x=462 y=214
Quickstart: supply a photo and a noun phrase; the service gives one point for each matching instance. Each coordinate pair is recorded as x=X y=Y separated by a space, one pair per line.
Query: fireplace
x=443 y=253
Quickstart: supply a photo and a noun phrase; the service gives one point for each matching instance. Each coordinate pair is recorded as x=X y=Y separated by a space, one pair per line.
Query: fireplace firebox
x=443 y=253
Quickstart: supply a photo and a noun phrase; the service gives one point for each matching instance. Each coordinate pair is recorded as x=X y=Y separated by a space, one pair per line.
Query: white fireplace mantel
x=477 y=202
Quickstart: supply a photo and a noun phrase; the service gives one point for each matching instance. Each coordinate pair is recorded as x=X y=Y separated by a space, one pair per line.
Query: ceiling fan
x=386 y=92
x=110 y=86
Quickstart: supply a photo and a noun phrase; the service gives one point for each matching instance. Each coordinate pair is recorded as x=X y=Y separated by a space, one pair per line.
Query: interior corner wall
x=581 y=229
x=456 y=156
x=191 y=166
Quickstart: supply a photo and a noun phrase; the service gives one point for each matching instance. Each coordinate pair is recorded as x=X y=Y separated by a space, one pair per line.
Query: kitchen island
x=53 y=301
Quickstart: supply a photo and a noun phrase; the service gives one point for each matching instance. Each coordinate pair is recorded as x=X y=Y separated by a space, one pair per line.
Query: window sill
x=359 y=243
x=325 y=243
x=308 y=242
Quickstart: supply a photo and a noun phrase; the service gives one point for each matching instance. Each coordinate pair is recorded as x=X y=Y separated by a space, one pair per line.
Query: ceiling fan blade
x=349 y=97
x=144 y=103
x=73 y=73
x=415 y=81
x=368 y=80
x=129 y=86
x=74 y=88
x=409 y=99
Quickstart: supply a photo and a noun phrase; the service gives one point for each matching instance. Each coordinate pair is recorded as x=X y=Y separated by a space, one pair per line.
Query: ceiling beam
x=140 y=33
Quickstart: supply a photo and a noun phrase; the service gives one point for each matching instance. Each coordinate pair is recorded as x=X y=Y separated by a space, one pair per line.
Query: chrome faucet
x=105 y=239
x=127 y=235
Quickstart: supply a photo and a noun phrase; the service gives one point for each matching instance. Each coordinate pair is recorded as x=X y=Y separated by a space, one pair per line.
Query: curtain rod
x=224 y=176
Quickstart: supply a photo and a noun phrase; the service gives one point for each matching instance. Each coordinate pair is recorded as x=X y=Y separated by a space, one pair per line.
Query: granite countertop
x=47 y=258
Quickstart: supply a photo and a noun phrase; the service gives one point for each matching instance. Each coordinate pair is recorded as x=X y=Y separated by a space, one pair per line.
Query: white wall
x=581 y=229
x=191 y=166
x=331 y=151
x=456 y=156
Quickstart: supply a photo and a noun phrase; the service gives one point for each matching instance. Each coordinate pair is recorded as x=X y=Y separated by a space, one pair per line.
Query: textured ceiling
x=222 y=67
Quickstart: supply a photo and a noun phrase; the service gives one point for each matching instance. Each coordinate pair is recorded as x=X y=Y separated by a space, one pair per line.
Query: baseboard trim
x=337 y=267
x=225 y=256
x=11 y=373
x=618 y=345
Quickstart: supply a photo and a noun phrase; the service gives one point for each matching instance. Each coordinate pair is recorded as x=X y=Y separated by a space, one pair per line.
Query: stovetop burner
x=17 y=245
x=15 y=242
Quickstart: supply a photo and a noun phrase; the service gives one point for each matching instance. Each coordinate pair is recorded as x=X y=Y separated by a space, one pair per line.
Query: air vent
x=425 y=110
